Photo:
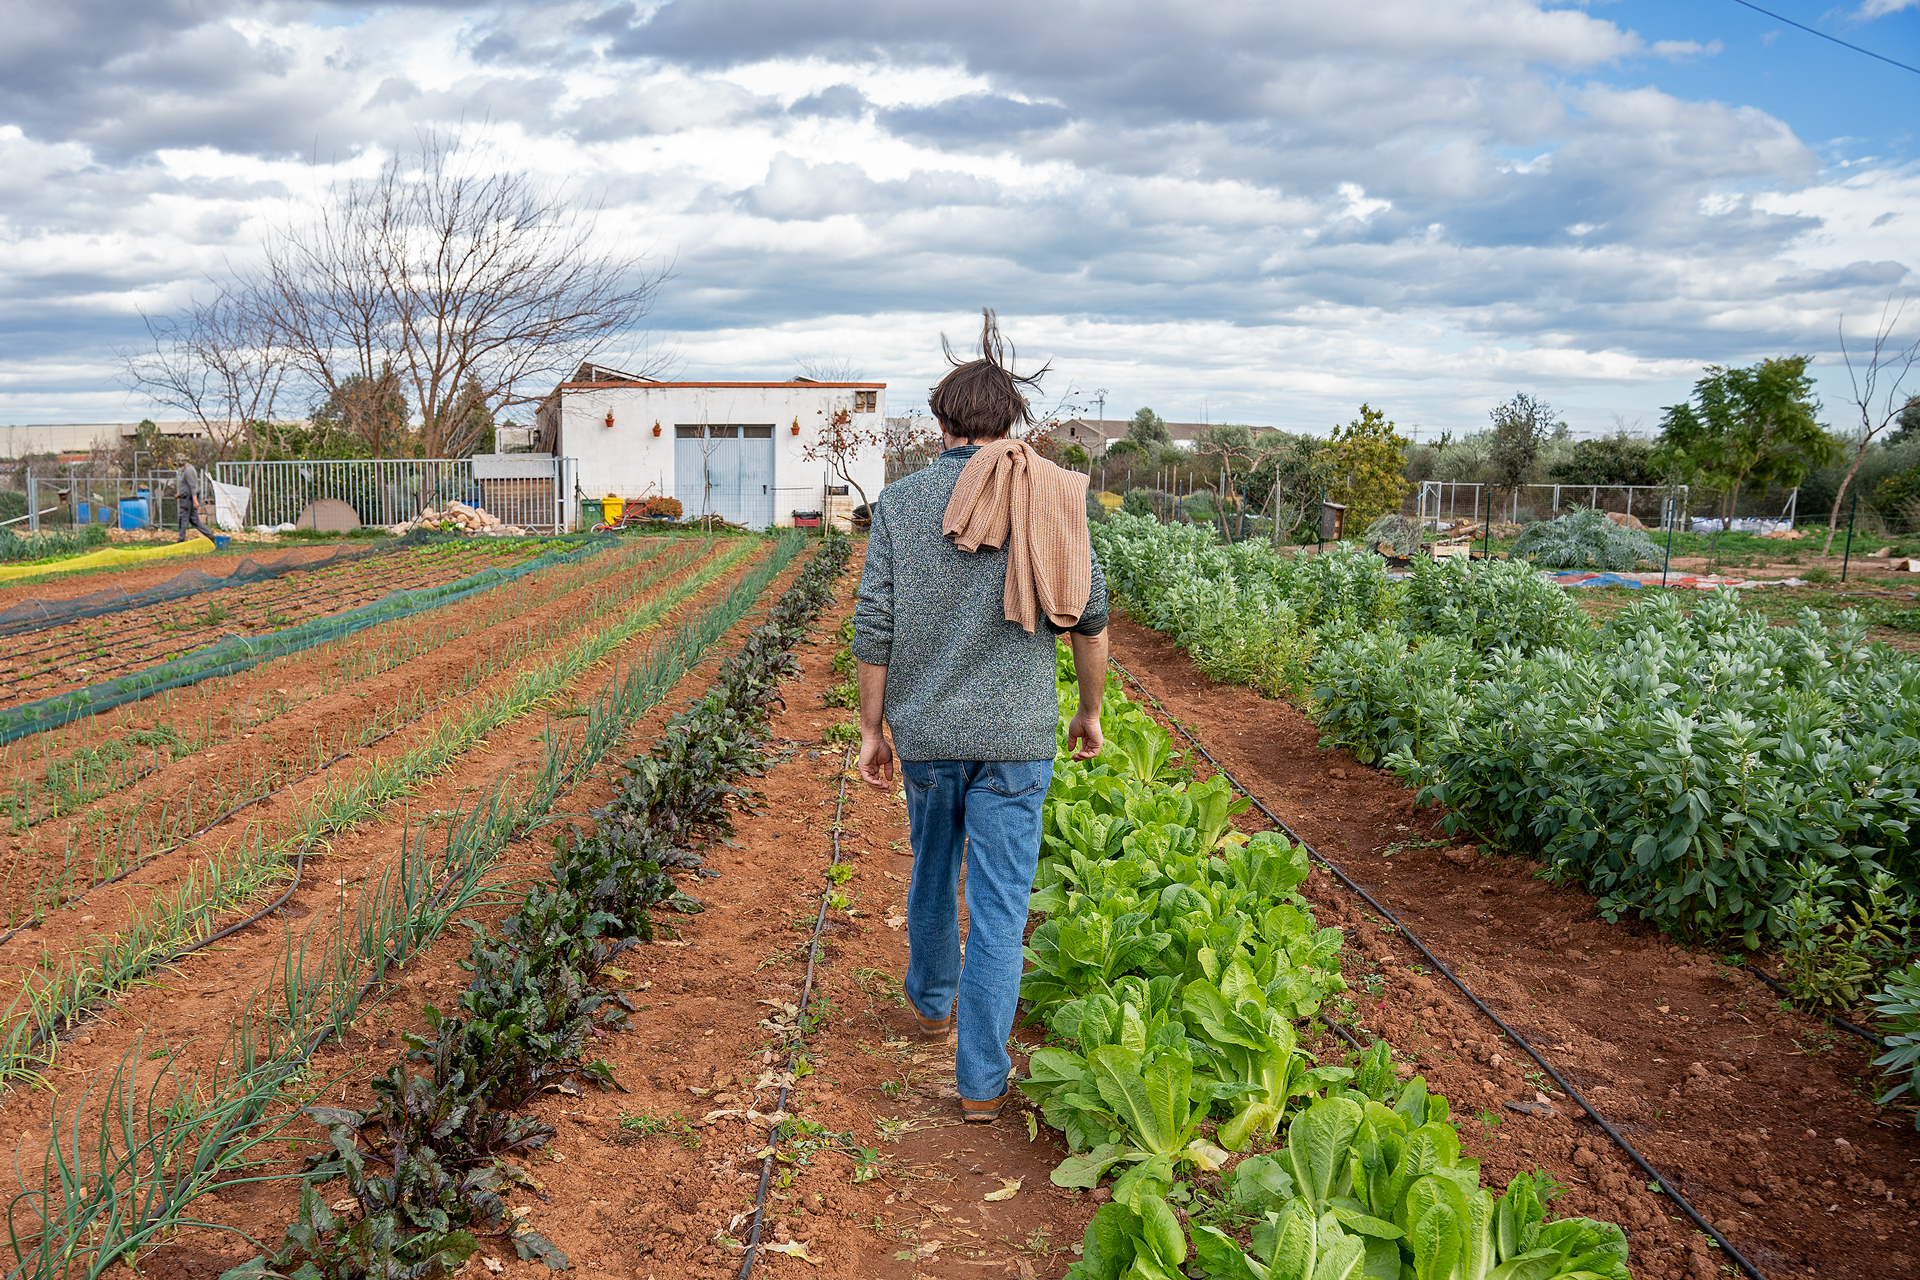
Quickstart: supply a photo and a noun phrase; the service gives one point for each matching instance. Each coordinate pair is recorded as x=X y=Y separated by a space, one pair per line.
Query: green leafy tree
x=1907 y=425
x=1366 y=466
x=1148 y=428
x=372 y=411
x=1520 y=427
x=1615 y=459
x=1756 y=425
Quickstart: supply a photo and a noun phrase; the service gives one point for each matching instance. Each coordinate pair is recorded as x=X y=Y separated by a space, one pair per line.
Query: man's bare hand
x=876 y=761
x=1083 y=734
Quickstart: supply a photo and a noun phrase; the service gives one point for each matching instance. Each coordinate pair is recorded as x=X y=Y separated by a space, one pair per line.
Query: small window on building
x=724 y=431
x=763 y=431
x=866 y=401
x=683 y=431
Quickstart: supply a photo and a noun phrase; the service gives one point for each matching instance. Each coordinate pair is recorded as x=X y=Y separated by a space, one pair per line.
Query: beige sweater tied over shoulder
x=1009 y=496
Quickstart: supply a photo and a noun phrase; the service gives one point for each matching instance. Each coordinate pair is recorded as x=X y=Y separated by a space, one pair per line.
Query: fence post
x=1853 y=508
x=1667 y=511
x=33 y=502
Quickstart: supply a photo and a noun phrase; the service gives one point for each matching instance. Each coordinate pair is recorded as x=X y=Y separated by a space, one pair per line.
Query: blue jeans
x=987 y=811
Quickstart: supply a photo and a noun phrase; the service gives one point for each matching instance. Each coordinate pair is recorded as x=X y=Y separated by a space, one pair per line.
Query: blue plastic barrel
x=82 y=513
x=133 y=513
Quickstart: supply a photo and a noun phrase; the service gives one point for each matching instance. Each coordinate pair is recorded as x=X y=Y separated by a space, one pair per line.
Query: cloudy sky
x=1263 y=212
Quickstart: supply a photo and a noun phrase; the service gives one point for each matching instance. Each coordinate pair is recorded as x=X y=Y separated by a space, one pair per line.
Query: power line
x=1824 y=36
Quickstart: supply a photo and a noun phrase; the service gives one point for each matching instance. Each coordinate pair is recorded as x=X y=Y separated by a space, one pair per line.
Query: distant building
x=731 y=449
x=33 y=439
x=1095 y=436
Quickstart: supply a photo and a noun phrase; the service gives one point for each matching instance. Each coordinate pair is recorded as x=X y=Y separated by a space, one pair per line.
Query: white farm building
x=737 y=450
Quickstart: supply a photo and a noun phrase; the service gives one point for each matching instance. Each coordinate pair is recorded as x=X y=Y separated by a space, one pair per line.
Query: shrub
x=1585 y=539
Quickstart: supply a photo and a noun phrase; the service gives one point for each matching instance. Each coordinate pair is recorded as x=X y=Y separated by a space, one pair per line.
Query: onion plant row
x=64 y=985
x=428 y=1166
x=103 y=759
x=115 y=840
x=119 y=1173
x=1174 y=960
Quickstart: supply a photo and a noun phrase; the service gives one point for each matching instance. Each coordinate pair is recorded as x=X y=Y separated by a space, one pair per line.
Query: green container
x=590 y=512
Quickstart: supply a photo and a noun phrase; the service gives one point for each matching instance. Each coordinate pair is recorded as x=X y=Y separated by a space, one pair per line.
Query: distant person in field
x=186 y=489
x=974 y=566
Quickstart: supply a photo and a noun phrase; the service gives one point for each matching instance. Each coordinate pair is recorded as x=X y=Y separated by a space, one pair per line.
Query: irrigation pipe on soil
x=1666 y=1186
x=799 y=1023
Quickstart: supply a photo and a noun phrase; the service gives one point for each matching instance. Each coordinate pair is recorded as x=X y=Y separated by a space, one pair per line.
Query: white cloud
x=1244 y=209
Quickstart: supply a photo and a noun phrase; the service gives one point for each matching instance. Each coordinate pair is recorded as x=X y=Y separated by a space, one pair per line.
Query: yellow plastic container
x=610 y=509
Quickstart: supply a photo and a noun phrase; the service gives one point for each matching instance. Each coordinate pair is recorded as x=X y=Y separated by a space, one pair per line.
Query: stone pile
x=458 y=517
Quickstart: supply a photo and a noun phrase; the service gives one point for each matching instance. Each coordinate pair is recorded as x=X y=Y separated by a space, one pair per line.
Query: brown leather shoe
x=983 y=1112
x=929 y=1029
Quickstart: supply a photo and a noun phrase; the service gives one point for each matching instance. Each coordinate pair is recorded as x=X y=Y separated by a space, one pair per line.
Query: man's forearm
x=1090 y=668
x=873 y=696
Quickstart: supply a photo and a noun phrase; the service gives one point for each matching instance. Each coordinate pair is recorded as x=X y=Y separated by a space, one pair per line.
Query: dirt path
x=655 y=1196
x=1763 y=1119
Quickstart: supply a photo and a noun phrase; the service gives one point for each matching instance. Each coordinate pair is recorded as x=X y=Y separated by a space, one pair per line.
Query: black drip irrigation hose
x=195 y=834
x=1666 y=1187
x=264 y=796
x=799 y=1024
x=1841 y=1023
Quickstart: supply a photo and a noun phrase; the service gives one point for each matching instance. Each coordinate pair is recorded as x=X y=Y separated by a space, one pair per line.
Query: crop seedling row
x=53 y=995
x=1174 y=959
x=146 y=1167
x=428 y=1166
x=121 y=839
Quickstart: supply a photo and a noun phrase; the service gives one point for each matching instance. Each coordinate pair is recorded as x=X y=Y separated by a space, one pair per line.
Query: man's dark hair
x=981 y=399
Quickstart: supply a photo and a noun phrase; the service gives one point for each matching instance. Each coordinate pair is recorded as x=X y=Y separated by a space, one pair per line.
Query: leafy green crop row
x=428 y=1165
x=1722 y=777
x=1174 y=960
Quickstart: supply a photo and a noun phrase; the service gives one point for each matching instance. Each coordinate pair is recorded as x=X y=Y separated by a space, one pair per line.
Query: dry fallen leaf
x=1008 y=1188
x=493 y=1265
x=347 y=1205
x=794 y=1249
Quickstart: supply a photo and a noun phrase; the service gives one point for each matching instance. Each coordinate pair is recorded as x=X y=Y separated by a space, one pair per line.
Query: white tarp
x=230 y=506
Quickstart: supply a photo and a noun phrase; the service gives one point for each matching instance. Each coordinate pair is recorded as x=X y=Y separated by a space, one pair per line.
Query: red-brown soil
x=111 y=910
x=137 y=577
x=306 y=714
x=1762 y=1119
x=75 y=654
x=1623 y=1013
x=624 y=1203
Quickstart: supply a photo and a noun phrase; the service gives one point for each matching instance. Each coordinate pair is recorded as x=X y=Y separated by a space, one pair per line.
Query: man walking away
x=974 y=566
x=187 y=490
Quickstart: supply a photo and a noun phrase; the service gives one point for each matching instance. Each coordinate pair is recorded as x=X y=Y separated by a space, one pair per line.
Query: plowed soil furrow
x=184 y=795
x=76 y=654
x=505 y=751
x=122 y=743
x=650 y=1201
x=191 y=1006
x=1761 y=1117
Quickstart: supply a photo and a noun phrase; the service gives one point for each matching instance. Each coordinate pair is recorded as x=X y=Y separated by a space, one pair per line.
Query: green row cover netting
x=237 y=653
x=36 y=614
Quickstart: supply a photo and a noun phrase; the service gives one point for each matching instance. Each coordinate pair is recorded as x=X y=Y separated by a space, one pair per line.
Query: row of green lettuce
x=1729 y=780
x=428 y=1167
x=1173 y=961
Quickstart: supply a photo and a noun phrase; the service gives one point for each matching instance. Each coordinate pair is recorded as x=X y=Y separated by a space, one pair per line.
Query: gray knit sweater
x=963 y=683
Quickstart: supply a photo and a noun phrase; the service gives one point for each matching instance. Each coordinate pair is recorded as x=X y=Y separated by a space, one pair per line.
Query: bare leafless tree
x=1877 y=394
x=830 y=368
x=221 y=363
x=454 y=275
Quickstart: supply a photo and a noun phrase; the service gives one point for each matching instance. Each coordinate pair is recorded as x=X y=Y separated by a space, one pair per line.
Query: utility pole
x=1100 y=398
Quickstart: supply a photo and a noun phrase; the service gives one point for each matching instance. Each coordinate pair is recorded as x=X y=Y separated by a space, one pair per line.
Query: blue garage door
x=725 y=471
